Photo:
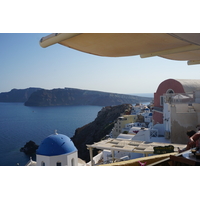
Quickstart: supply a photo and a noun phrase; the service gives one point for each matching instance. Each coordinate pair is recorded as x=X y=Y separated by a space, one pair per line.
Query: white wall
x=107 y=155
x=182 y=117
x=65 y=159
x=142 y=135
x=45 y=159
x=70 y=157
x=181 y=121
x=167 y=117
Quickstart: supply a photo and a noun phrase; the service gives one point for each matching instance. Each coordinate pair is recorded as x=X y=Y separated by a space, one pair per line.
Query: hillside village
x=174 y=112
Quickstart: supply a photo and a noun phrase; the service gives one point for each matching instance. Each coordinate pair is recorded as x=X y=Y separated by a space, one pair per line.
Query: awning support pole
x=91 y=155
x=112 y=155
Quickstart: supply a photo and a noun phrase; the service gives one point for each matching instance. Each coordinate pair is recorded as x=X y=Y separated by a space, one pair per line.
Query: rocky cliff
x=17 y=95
x=70 y=96
x=98 y=129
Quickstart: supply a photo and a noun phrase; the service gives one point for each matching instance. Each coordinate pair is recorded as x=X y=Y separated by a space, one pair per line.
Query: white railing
x=96 y=159
x=179 y=98
x=153 y=133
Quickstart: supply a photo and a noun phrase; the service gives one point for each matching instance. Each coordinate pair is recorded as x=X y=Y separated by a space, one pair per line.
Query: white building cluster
x=141 y=116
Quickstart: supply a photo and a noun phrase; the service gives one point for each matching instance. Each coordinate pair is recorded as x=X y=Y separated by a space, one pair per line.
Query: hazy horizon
x=146 y=94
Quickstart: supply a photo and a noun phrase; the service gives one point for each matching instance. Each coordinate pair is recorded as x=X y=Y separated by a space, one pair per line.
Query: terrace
x=133 y=146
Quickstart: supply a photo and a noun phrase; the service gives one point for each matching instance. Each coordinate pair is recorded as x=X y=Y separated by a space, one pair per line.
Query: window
x=170 y=91
x=42 y=163
x=58 y=164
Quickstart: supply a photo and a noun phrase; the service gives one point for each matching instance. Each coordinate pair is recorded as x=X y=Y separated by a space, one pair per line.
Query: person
x=190 y=144
x=195 y=139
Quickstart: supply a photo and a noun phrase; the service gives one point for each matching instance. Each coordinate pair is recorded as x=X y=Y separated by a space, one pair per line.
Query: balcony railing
x=179 y=98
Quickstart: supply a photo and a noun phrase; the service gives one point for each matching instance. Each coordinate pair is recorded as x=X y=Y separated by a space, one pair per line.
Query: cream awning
x=179 y=46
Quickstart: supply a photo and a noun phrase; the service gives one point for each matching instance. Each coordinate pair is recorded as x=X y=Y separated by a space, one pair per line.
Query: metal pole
x=91 y=155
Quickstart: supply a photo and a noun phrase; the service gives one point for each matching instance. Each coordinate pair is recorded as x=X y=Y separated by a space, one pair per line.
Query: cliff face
x=98 y=129
x=17 y=95
x=69 y=96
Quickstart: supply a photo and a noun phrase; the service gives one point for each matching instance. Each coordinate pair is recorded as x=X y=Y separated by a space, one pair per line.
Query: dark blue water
x=20 y=124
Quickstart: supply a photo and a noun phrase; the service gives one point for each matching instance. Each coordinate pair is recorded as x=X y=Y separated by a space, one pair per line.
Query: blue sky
x=24 y=63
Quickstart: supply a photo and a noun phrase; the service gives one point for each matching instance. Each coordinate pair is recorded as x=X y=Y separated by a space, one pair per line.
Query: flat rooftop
x=134 y=146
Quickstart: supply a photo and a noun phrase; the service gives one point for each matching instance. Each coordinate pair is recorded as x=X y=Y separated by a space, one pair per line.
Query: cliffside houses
x=133 y=136
x=141 y=116
x=176 y=109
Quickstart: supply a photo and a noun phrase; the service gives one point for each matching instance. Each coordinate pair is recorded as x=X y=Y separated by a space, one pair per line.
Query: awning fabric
x=174 y=46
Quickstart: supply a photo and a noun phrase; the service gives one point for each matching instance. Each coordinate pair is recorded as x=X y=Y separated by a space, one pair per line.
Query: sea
x=19 y=124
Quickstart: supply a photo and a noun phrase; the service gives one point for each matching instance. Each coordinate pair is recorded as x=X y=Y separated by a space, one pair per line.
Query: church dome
x=56 y=144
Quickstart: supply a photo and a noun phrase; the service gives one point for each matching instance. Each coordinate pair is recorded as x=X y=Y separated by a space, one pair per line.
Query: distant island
x=68 y=96
x=17 y=95
x=71 y=96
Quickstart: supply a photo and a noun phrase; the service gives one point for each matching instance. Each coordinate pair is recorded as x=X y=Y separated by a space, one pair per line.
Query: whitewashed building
x=56 y=150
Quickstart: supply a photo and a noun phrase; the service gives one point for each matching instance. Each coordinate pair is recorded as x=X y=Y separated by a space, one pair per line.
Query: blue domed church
x=57 y=150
